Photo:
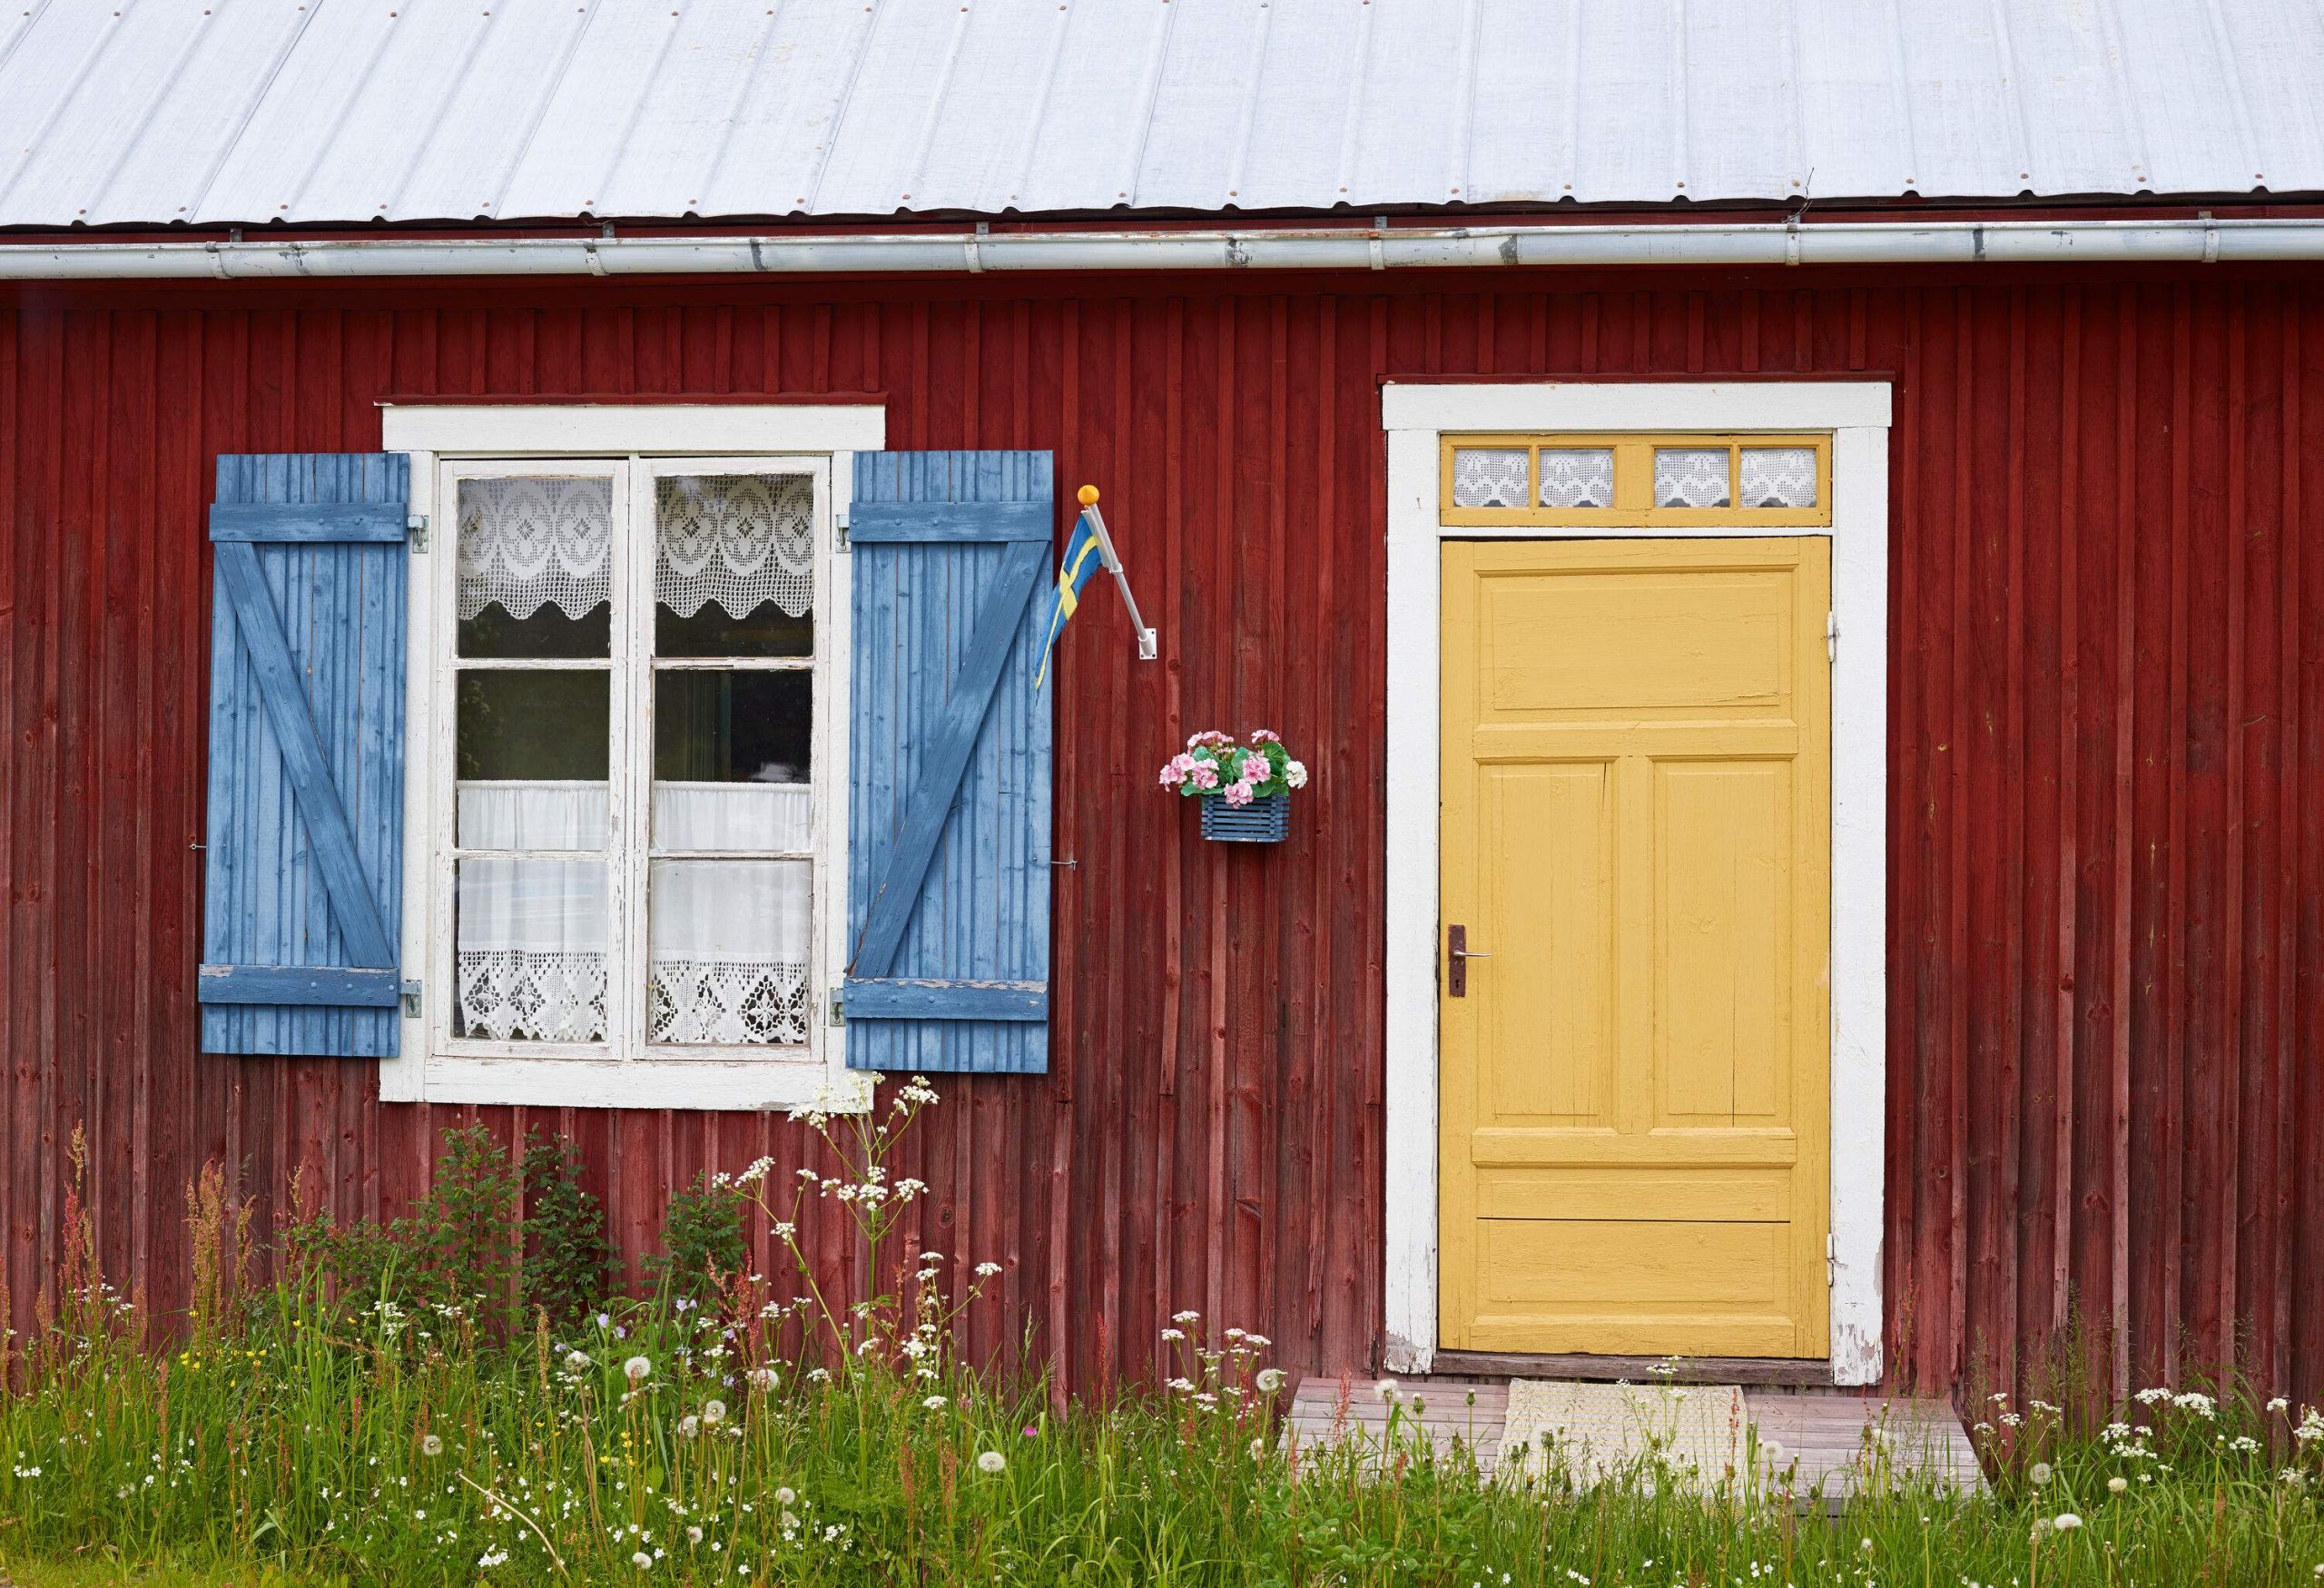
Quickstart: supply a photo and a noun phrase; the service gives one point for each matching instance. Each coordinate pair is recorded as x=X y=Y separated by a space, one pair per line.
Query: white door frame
x=1856 y=413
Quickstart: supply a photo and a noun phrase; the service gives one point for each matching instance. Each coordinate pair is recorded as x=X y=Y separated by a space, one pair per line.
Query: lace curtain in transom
x=1778 y=476
x=738 y=539
x=1577 y=477
x=1691 y=476
x=526 y=544
x=1489 y=477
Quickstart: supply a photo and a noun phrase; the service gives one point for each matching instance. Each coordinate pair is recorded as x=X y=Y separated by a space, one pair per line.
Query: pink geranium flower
x=1204 y=776
x=1265 y=736
x=1239 y=793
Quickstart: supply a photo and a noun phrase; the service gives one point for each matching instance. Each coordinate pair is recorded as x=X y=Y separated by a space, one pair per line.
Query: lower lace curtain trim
x=537 y=996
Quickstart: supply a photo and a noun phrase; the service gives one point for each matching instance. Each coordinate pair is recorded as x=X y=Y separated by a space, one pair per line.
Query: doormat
x=1595 y=1429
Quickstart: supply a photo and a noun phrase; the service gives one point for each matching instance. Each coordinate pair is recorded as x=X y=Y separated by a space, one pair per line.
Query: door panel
x=1635 y=829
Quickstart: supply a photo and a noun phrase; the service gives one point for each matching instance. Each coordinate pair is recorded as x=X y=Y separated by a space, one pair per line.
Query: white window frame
x=817 y=439
x=1856 y=414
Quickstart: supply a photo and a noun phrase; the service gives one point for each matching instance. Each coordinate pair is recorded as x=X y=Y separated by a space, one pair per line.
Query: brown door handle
x=1457 y=955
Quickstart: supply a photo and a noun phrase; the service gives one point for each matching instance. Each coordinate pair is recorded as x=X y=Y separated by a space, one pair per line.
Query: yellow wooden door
x=1635 y=829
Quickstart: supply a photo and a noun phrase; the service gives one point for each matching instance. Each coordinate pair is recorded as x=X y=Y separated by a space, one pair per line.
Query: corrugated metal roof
x=247 y=111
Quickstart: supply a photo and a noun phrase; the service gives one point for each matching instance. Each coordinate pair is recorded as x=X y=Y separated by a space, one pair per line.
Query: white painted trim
x=1857 y=413
x=431 y=1067
x=621 y=430
x=1635 y=405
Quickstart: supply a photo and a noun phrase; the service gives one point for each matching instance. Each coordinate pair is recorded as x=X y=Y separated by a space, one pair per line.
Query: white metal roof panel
x=349 y=111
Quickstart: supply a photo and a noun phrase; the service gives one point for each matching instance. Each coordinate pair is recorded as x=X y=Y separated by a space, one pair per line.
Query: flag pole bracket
x=1149 y=643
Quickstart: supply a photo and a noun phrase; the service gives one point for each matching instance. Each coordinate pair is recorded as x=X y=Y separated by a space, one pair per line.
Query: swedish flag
x=1084 y=556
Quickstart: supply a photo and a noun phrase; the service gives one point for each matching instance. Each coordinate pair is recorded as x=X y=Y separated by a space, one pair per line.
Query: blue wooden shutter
x=303 y=901
x=949 y=803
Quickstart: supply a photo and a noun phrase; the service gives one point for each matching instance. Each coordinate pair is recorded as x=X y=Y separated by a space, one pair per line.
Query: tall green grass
x=744 y=1432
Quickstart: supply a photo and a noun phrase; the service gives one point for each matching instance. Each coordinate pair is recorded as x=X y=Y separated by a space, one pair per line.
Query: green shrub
x=570 y=1267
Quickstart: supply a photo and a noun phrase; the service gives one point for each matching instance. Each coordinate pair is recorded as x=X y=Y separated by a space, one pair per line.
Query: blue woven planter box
x=1266 y=820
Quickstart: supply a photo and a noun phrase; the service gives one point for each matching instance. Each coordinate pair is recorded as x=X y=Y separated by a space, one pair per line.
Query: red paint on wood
x=2106 y=925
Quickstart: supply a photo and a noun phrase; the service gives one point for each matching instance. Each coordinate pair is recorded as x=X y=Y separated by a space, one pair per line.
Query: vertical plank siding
x=2106 y=879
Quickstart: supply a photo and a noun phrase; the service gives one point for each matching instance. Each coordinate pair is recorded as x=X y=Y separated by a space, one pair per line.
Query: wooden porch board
x=1817 y=1441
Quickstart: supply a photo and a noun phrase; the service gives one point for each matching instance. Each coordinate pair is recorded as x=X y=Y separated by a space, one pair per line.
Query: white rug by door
x=1598 y=1429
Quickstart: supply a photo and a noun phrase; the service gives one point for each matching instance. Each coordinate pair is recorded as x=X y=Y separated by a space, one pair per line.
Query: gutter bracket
x=1977 y=242
x=1235 y=257
x=1379 y=255
x=976 y=259
x=1791 y=238
x=2210 y=238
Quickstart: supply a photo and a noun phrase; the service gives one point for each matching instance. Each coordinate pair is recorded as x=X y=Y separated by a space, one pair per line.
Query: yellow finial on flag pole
x=1087 y=495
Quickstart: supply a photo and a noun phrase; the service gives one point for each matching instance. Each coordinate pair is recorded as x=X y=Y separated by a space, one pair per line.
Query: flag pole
x=1149 y=646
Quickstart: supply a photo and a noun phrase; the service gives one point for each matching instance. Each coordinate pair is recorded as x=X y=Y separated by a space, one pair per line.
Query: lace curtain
x=1489 y=477
x=1691 y=476
x=727 y=949
x=1778 y=476
x=527 y=544
x=740 y=540
x=1577 y=477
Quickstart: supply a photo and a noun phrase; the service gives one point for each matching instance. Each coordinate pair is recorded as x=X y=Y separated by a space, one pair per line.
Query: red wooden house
x=1790 y=550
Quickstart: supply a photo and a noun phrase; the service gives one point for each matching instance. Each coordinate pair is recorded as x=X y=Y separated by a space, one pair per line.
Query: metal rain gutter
x=2185 y=241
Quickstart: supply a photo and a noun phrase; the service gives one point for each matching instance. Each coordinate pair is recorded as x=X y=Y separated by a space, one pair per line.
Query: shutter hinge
x=1832 y=635
x=1831 y=1261
x=411 y=1001
x=839 y=1014
x=416 y=527
x=839 y=524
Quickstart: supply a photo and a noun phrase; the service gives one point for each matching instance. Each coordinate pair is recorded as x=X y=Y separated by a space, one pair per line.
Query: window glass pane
x=536 y=573
x=1489 y=477
x=715 y=724
x=516 y=723
x=529 y=950
x=1778 y=476
x=1691 y=476
x=728 y=951
x=733 y=565
x=1577 y=477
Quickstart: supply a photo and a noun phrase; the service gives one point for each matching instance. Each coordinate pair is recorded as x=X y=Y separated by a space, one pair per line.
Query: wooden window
x=1781 y=481
x=637 y=746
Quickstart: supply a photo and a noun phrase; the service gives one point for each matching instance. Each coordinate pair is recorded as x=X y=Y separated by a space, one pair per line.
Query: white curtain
x=728 y=940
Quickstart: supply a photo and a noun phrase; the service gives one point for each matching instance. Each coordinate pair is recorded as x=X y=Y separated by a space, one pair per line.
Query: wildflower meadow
x=467 y=1395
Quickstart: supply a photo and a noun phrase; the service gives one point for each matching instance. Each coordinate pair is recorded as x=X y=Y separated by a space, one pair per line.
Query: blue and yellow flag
x=1083 y=557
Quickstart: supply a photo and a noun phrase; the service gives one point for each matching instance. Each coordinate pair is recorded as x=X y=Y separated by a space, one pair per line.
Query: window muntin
x=1635 y=480
x=631 y=866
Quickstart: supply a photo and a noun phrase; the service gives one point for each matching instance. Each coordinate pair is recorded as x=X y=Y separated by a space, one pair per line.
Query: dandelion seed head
x=992 y=1462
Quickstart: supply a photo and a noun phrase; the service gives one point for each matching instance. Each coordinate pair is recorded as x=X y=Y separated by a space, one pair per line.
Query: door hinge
x=839 y=1010
x=411 y=1001
x=1831 y=1261
x=1832 y=635
x=839 y=525
x=416 y=527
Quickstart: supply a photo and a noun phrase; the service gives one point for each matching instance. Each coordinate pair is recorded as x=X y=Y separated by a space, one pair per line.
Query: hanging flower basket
x=1244 y=789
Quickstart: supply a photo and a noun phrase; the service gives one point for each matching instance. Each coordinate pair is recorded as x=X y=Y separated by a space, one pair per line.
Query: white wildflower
x=992 y=1462
x=785 y=1497
x=689 y=1425
x=642 y=1560
x=579 y=1361
x=762 y=1379
x=693 y=1535
x=934 y=1403
x=2066 y=1522
x=431 y=1445
x=1386 y=1391
x=1269 y=1380
x=2038 y=1473
x=987 y=1270
x=2118 y=1485
x=636 y=1368
x=713 y=1412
